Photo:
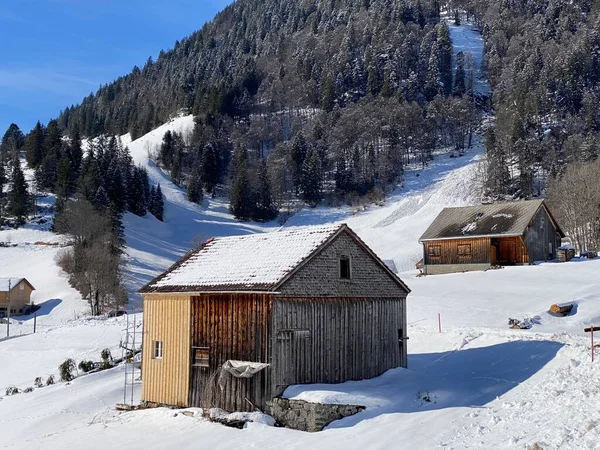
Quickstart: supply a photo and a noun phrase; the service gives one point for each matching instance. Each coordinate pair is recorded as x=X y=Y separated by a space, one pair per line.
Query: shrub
x=86 y=366
x=28 y=390
x=106 y=358
x=38 y=382
x=66 y=370
x=50 y=380
x=12 y=390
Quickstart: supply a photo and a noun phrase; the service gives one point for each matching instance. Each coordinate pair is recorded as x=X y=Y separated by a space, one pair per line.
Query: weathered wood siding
x=232 y=326
x=542 y=238
x=318 y=340
x=166 y=319
x=320 y=277
x=480 y=251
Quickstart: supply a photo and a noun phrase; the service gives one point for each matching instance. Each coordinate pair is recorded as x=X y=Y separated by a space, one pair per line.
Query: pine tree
x=35 y=145
x=311 y=178
x=265 y=209
x=445 y=55
x=138 y=202
x=434 y=85
x=159 y=205
x=152 y=200
x=209 y=171
x=241 y=193
x=18 y=197
x=298 y=153
x=459 y=78
x=167 y=150
x=12 y=141
x=194 y=187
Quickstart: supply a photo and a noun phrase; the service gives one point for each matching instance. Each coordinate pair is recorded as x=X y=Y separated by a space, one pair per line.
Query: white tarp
x=240 y=369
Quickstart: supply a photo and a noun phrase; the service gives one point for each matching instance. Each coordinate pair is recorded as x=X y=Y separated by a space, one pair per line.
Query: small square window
x=157 y=349
x=435 y=250
x=202 y=356
x=464 y=249
x=345 y=272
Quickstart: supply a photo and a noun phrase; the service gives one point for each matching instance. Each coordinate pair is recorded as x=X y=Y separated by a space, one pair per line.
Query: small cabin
x=478 y=237
x=236 y=321
x=15 y=294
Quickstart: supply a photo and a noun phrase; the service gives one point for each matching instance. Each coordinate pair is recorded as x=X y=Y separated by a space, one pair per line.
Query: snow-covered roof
x=6 y=281
x=250 y=262
x=495 y=220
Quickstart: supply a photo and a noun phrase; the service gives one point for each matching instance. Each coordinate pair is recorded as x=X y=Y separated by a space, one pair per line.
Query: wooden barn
x=477 y=237
x=235 y=322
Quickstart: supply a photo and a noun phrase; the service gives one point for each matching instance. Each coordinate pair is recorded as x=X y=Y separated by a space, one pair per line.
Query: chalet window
x=464 y=249
x=435 y=251
x=201 y=356
x=157 y=349
x=22 y=286
x=345 y=272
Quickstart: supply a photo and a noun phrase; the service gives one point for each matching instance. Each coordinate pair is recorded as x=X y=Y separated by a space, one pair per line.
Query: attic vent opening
x=479 y=215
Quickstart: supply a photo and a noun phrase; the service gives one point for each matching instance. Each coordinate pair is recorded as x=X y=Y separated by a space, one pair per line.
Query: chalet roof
x=495 y=220
x=256 y=262
x=13 y=282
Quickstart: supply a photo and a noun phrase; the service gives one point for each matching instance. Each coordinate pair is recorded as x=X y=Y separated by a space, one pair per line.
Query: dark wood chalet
x=477 y=237
x=234 y=323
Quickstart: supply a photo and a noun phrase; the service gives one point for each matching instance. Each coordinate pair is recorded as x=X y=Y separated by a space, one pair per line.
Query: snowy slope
x=152 y=246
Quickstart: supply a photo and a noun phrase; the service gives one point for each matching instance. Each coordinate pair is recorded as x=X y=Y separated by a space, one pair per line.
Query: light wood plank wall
x=166 y=319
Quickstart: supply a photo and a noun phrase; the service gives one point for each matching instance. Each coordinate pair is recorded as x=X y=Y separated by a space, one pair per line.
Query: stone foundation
x=306 y=416
x=439 y=269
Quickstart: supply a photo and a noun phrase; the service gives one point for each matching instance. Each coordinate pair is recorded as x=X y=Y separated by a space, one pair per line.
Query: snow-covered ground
x=477 y=384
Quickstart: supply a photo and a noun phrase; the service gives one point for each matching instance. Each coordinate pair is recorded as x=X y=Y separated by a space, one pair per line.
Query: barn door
x=293 y=350
x=508 y=251
x=494 y=255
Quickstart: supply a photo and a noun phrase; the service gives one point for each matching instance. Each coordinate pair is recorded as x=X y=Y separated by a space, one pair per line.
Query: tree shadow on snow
x=466 y=378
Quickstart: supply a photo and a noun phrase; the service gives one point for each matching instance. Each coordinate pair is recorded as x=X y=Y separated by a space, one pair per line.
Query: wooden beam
x=587 y=330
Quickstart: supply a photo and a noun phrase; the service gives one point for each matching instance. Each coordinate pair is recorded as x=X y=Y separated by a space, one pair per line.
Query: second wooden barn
x=478 y=237
x=234 y=323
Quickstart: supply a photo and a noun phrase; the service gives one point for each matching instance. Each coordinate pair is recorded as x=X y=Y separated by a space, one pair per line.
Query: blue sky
x=55 y=52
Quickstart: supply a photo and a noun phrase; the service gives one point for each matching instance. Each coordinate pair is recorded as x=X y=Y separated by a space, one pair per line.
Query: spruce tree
x=152 y=200
x=459 y=78
x=265 y=210
x=194 y=187
x=137 y=200
x=445 y=54
x=241 y=193
x=34 y=145
x=18 y=197
x=434 y=84
x=209 y=172
x=167 y=150
x=12 y=141
x=311 y=178
x=298 y=151
x=159 y=206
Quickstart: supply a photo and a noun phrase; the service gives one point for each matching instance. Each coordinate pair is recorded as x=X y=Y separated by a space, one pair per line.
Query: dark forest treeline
x=329 y=98
x=272 y=54
x=543 y=59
